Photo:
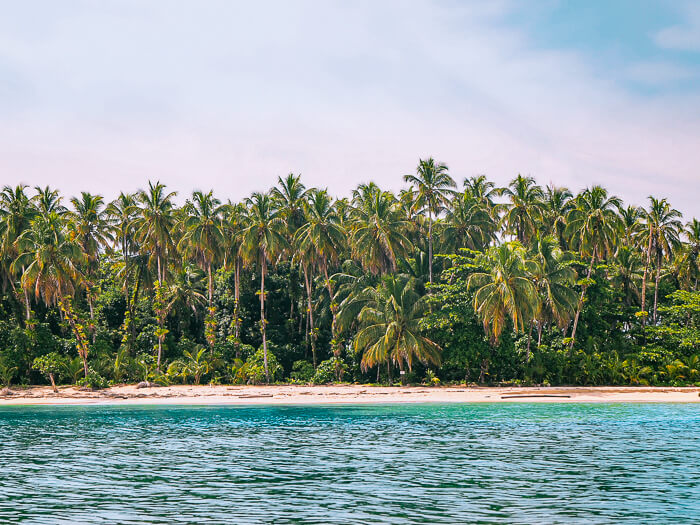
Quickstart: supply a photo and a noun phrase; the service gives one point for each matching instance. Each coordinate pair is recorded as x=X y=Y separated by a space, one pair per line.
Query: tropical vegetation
x=436 y=283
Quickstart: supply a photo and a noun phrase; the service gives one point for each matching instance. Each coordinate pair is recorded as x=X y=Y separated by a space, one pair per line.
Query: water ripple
x=519 y=463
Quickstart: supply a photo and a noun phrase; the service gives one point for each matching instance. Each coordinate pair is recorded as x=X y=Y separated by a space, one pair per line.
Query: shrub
x=50 y=365
x=329 y=370
x=302 y=371
x=93 y=380
x=253 y=371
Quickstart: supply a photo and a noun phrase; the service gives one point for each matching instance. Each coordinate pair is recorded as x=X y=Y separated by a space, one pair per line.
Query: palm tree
x=378 y=230
x=483 y=191
x=520 y=219
x=628 y=273
x=262 y=240
x=592 y=226
x=504 y=289
x=320 y=239
x=434 y=187
x=51 y=261
x=660 y=235
x=554 y=280
x=235 y=216
x=203 y=237
x=154 y=226
x=47 y=200
x=16 y=213
x=556 y=205
x=688 y=263
x=630 y=224
x=90 y=229
x=290 y=196
x=468 y=224
x=390 y=319
x=121 y=215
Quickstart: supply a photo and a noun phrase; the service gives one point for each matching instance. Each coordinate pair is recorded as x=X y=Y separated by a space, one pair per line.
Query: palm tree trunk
x=310 y=314
x=81 y=343
x=211 y=284
x=539 y=333
x=644 y=279
x=263 y=269
x=529 y=339
x=656 y=284
x=237 y=306
x=53 y=383
x=334 y=309
x=580 y=300
x=430 y=245
x=26 y=303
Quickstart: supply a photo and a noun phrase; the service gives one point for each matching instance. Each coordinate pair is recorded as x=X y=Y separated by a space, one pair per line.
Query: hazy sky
x=103 y=95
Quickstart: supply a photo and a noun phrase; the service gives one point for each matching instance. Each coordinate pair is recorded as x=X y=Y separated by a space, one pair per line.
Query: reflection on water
x=519 y=463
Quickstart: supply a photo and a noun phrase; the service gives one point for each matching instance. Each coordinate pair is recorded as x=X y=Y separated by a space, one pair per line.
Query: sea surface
x=422 y=463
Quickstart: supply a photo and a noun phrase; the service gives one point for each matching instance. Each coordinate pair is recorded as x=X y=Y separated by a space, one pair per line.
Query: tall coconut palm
x=51 y=261
x=235 y=215
x=322 y=238
x=688 y=263
x=556 y=205
x=378 y=230
x=390 y=329
x=504 y=289
x=263 y=239
x=628 y=274
x=484 y=192
x=468 y=224
x=630 y=224
x=434 y=187
x=154 y=226
x=90 y=229
x=47 y=200
x=16 y=213
x=521 y=216
x=203 y=237
x=121 y=214
x=592 y=226
x=290 y=195
x=660 y=236
x=554 y=280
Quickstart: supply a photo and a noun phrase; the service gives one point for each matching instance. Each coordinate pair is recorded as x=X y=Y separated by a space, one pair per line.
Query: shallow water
x=484 y=463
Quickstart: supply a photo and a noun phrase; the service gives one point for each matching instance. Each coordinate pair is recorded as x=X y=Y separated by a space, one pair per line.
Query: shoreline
x=343 y=394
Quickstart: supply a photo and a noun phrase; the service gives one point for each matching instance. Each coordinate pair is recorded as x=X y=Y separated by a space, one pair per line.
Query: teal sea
x=424 y=463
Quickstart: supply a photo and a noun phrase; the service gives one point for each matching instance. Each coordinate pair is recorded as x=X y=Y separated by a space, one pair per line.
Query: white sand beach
x=342 y=394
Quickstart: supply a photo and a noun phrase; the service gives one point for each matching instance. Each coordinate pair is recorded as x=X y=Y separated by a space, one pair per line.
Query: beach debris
x=146 y=384
x=6 y=392
x=534 y=395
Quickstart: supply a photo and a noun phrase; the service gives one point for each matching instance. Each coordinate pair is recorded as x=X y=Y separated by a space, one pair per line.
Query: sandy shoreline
x=343 y=394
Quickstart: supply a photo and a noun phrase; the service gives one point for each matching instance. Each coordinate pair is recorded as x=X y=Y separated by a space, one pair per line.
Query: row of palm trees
x=538 y=248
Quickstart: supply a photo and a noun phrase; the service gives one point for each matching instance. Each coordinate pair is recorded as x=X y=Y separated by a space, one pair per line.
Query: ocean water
x=423 y=463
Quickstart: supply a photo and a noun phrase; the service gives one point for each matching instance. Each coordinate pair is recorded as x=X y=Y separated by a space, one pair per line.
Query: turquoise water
x=483 y=463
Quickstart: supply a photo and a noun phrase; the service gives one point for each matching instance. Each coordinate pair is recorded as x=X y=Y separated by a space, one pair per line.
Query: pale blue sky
x=103 y=95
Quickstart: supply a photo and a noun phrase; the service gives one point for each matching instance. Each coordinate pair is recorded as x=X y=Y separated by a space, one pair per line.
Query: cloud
x=684 y=37
x=229 y=96
x=657 y=73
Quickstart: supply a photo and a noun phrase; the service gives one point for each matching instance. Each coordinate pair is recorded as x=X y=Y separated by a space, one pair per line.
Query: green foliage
x=7 y=372
x=329 y=371
x=302 y=371
x=252 y=372
x=50 y=364
x=539 y=287
x=93 y=380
